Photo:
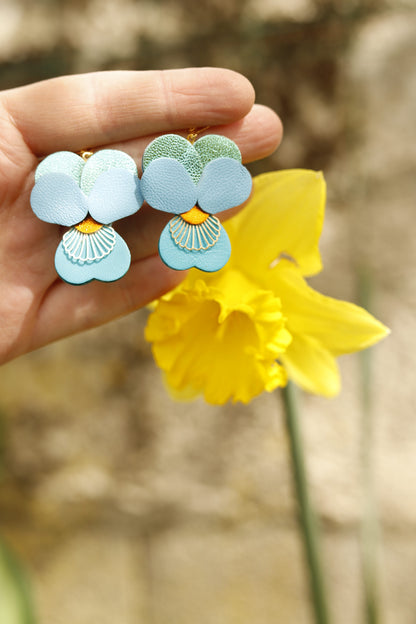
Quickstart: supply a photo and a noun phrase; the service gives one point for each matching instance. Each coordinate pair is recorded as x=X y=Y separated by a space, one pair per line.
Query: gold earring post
x=193 y=134
x=85 y=154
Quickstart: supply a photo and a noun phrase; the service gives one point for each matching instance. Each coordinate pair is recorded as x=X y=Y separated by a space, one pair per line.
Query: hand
x=120 y=110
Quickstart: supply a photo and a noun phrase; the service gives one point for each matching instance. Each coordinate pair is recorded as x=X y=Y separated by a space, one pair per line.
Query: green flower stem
x=370 y=527
x=307 y=518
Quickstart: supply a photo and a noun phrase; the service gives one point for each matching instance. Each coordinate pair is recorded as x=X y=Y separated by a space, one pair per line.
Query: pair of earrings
x=192 y=179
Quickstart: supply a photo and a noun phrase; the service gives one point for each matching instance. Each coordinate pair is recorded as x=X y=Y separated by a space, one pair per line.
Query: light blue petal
x=61 y=162
x=176 y=147
x=213 y=146
x=116 y=194
x=167 y=186
x=57 y=198
x=102 y=161
x=108 y=269
x=224 y=183
x=212 y=259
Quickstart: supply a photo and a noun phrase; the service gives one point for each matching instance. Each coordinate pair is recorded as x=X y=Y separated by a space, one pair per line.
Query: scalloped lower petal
x=209 y=260
x=108 y=269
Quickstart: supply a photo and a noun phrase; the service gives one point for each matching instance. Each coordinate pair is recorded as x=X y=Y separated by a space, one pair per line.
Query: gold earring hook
x=193 y=134
x=85 y=154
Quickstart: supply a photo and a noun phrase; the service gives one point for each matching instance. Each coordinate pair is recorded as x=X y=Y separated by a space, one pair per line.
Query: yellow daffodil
x=233 y=334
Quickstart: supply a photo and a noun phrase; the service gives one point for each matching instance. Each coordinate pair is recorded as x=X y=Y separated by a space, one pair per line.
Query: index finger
x=87 y=110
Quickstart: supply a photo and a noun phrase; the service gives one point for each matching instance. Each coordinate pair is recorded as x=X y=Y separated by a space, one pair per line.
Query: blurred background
x=125 y=507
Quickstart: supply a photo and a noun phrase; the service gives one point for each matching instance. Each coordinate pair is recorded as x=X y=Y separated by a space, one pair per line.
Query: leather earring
x=87 y=192
x=194 y=180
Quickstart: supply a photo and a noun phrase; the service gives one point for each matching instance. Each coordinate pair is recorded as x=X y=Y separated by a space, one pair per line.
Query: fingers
x=257 y=135
x=68 y=309
x=76 y=112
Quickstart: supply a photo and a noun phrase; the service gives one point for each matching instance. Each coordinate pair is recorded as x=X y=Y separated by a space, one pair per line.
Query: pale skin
x=121 y=110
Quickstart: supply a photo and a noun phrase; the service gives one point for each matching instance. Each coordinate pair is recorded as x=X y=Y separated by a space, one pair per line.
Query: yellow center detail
x=88 y=226
x=195 y=216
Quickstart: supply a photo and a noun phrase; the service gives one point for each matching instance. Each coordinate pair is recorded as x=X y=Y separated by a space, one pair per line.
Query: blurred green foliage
x=16 y=605
x=15 y=598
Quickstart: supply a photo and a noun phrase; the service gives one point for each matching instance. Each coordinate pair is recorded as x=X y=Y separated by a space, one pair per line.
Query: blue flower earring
x=194 y=180
x=88 y=192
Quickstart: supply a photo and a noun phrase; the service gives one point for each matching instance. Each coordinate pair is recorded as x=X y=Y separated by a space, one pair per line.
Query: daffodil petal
x=224 y=183
x=311 y=366
x=57 y=198
x=339 y=326
x=185 y=394
x=167 y=186
x=116 y=194
x=282 y=219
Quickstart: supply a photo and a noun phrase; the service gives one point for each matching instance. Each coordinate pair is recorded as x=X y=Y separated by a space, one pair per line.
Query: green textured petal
x=176 y=147
x=61 y=162
x=214 y=146
x=102 y=161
